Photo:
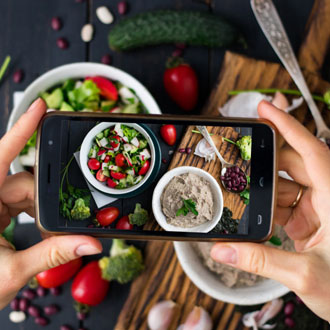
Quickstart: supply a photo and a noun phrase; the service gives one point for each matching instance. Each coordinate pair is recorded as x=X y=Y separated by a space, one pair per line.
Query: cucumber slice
x=66 y=107
x=54 y=99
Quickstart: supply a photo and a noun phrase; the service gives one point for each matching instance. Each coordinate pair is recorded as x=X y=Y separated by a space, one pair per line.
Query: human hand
x=307 y=271
x=16 y=196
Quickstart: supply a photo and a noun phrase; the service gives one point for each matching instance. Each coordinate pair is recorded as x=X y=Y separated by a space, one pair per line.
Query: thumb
x=279 y=265
x=52 y=252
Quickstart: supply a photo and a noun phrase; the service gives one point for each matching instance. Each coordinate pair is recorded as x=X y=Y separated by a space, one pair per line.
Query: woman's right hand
x=307 y=271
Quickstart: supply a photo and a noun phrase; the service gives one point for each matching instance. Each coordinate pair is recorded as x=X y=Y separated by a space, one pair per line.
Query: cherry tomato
x=57 y=276
x=107 y=159
x=118 y=175
x=145 y=167
x=168 y=133
x=181 y=84
x=88 y=287
x=123 y=223
x=113 y=143
x=94 y=164
x=120 y=160
x=106 y=87
x=107 y=216
x=100 y=176
x=111 y=183
x=101 y=152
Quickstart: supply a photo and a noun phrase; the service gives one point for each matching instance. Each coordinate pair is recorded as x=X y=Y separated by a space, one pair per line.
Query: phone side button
x=259 y=220
x=261 y=182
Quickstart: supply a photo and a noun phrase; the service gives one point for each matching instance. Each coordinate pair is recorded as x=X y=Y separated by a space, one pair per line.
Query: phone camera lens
x=50 y=142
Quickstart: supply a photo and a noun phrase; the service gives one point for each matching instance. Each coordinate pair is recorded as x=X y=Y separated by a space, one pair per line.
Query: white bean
x=17 y=317
x=104 y=15
x=87 y=32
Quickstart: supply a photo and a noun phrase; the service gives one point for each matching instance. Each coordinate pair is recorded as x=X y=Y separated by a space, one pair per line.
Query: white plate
x=76 y=71
x=217 y=197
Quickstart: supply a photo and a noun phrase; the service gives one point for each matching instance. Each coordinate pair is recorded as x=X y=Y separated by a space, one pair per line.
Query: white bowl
x=165 y=179
x=76 y=71
x=210 y=283
x=86 y=146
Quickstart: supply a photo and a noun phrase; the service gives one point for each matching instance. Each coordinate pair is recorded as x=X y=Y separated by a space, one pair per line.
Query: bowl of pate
x=187 y=199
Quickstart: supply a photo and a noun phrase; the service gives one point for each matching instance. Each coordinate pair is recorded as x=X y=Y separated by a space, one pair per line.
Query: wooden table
x=26 y=35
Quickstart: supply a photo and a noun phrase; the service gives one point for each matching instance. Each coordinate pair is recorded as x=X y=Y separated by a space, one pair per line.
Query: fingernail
x=86 y=250
x=224 y=254
x=34 y=105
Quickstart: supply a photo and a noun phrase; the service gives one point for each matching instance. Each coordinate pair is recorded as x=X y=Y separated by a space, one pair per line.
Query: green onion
x=4 y=66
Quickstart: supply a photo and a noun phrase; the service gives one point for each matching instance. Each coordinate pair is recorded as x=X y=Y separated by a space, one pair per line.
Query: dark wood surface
x=26 y=35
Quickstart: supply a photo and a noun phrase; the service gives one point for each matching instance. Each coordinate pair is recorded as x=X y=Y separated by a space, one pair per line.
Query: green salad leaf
x=86 y=96
x=129 y=132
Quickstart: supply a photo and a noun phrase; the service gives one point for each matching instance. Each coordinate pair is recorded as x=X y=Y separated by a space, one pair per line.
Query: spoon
x=271 y=25
x=227 y=178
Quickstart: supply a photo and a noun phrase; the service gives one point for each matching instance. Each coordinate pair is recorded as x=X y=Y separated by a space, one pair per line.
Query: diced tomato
x=111 y=183
x=120 y=160
x=106 y=87
x=145 y=167
x=113 y=143
x=107 y=159
x=94 y=164
x=123 y=223
x=101 y=152
x=100 y=176
x=118 y=175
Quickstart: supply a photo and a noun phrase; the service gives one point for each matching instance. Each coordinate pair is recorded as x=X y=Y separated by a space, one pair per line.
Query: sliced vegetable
x=107 y=88
x=100 y=176
x=145 y=167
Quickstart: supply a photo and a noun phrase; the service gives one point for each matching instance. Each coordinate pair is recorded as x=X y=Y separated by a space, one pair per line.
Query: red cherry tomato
x=111 y=183
x=107 y=159
x=106 y=87
x=100 y=176
x=88 y=287
x=107 y=216
x=123 y=223
x=168 y=133
x=145 y=167
x=113 y=143
x=181 y=84
x=57 y=276
x=118 y=175
x=94 y=164
x=120 y=160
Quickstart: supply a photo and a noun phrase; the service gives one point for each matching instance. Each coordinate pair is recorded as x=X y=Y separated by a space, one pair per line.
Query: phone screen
x=158 y=178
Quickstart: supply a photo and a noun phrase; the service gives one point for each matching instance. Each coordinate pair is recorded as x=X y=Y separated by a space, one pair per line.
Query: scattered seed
x=17 y=317
x=41 y=321
x=24 y=303
x=56 y=23
x=66 y=327
x=29 y=293
x=62 y=43
x=51 y=309
x=87 y=32
x=18 y=76
x=56 y=291
x=164 y=160
x=14 y=305
x=122 y=7
x=104 y=15
x=106 y=59
x=41 y=292
x=34 y=311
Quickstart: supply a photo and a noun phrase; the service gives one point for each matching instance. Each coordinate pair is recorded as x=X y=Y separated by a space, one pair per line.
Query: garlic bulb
x=161 y=315
x=198 y=319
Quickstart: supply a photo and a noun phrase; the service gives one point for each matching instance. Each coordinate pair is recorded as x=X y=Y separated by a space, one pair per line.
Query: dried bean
x=289 y=308
x=122 y=7
x=29 y=293
x=41 y=321
x=104 y=15
x=182 y=150
x=56 y=23
x=18 y=76
x=17 y=317
x=24 y=303
x=56 y=291
x=81 y=316
x=62 y=43
x=34 y=311
x=289 y=322
x=51 y=309
x=66 y=327
x=164 y=160
x=41 y=292
x=14 y=305
x=188 y=150
x=106 y=59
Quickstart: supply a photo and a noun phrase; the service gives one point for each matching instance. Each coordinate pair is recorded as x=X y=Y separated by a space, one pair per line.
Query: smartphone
x=156 y=177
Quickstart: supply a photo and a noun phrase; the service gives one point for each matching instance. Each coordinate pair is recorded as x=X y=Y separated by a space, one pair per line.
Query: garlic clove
x=198 y=319
x=269 y=310
x=161 y=315
x=104 y=15
x=87 y=32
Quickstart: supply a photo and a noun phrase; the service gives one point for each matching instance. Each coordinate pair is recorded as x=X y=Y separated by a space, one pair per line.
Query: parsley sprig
x=188 y=206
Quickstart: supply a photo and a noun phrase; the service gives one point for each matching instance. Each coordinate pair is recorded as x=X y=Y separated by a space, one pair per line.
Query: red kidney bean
x=289 y=308
x=41 y=321
x=62 y=43
x=29 y=293
x=66 y=327
x=14 y=305
x=122 y=7
x=56 y=291
x=34 y=311
x=51 y=309
x=24 y=303
x=106 y=59
x=18 y=76
x=56 y=23
x=182 y=150
x=164 y=160
x=41 y=292
x=188 y=150
x=289 y=322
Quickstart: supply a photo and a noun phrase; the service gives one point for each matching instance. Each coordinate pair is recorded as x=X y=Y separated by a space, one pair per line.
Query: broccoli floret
x=245 y=144
x=80 y=211
x=124 y=264
x=139 y=217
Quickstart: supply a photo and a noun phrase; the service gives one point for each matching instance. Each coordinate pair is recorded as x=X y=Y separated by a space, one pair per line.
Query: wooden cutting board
x=163 y=277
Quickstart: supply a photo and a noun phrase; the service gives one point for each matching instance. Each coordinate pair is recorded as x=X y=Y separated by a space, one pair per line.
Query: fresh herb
x=275 y=240
x=226 y=225
x=244 y=144
x=74 y=203
x=139 y=217
x=188 y=206
x=4 y=66
x=245 y=194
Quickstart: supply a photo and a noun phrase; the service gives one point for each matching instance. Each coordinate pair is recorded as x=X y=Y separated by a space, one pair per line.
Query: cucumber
x=66 y=107
x=171 y=26
x=54 y=99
